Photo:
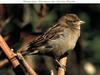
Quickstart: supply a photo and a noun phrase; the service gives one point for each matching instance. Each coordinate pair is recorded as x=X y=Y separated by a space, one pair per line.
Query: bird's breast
x=65 y=42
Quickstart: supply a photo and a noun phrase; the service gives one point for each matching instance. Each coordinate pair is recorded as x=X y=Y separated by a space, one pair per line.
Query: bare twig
x=52 y=72
x=8 y=52
x=62 y=61
x=12 y=57
x=24 y=45
x=3 y=62
x=26 y=65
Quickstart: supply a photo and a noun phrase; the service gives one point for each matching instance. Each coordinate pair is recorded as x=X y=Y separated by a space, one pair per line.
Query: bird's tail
x=30 y=51
x=26 y=52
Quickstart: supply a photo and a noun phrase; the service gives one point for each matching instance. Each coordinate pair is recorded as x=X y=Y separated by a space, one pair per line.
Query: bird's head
x=72 y=21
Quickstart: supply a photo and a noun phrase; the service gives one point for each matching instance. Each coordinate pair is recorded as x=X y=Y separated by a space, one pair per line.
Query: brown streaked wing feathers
x=51 y=34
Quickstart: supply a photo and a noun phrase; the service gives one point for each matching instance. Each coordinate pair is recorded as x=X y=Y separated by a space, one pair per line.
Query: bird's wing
x=51 y=34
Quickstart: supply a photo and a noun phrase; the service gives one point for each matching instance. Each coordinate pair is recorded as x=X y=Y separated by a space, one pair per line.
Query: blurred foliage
x=27 y=19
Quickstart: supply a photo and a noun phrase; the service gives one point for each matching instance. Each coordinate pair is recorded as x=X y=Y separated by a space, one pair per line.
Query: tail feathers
x=34 y=52
x=28 y=52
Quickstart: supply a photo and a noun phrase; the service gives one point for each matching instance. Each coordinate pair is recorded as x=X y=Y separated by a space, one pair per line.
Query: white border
x=48 y=1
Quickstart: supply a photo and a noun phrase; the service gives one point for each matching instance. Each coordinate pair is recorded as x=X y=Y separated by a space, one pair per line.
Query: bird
x=58 y=39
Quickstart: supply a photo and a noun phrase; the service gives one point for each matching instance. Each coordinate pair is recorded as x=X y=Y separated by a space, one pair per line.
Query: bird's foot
x=61 y=66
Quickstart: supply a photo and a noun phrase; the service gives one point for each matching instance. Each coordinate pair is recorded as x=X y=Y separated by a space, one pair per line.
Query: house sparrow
x=58 y=39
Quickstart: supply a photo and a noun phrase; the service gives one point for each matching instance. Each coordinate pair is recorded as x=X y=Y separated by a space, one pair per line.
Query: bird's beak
x=82 y=22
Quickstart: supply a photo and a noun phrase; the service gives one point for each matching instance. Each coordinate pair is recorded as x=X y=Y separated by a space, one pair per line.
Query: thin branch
x=15 y=62
x=8 y=52
x=52 y=72
x=29 y=70
x=3 y=62
x=61 y=70
x=11 y=56
x=29 y=39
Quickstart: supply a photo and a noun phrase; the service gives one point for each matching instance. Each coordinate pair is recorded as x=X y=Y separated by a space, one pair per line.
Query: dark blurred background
x=22 y=23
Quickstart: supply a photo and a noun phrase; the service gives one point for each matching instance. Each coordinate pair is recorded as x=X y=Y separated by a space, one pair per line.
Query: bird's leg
x=57 y=60
x=62 y=66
